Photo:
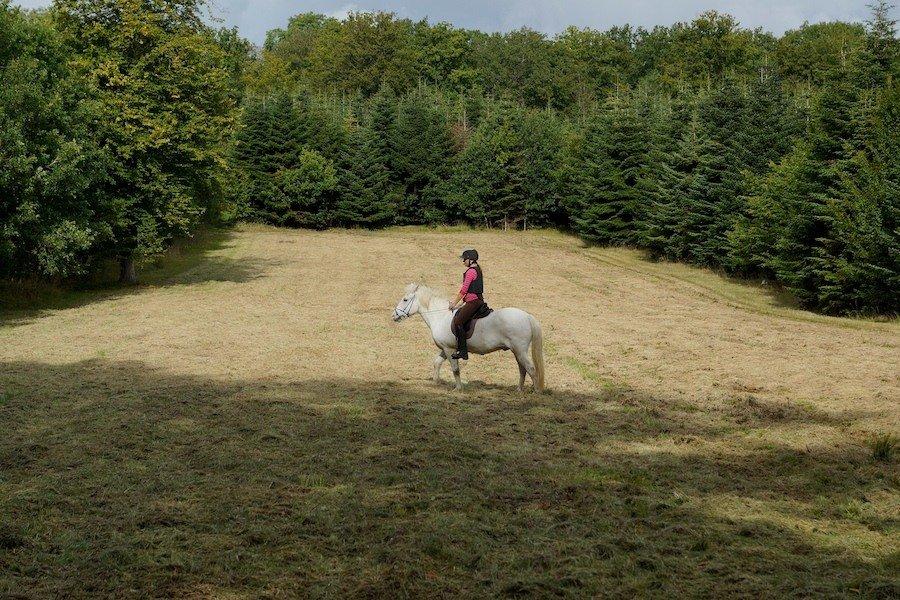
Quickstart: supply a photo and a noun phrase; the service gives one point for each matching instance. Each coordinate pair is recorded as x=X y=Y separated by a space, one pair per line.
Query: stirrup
x=458 y=355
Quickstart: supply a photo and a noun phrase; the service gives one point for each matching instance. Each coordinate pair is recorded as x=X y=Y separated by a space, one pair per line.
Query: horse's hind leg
x=438 y=361
x=522 y=372
x=525 y=366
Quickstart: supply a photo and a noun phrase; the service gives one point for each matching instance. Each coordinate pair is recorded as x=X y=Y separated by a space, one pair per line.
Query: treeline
x=702 y=142
x=571 y=70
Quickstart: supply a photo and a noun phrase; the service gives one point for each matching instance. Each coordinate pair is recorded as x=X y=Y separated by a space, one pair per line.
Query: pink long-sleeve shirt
x=468 y=278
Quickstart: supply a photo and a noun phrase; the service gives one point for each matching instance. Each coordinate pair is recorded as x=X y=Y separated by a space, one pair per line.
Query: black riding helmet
x=470 y=254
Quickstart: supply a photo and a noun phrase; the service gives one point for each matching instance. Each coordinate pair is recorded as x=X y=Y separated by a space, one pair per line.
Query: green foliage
x=363 y=52
x=613 y=172
x=544 y=137
x=443 y=55
x=809 y=54
x=160 y=106
x=237 y=59
x=595 y=62
x=703 y=141
x=486 y=186
x=523 y=65
x=858 y=260
x=51 y=169
x=881 y=41
x=691 y=219
x=282 y=157
x=367 y=196
x=421 y=153
x=772 y=237
x=709 y=48
x=303 y=193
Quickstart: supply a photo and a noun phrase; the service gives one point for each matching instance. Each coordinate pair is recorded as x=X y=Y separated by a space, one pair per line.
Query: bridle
x=403 y=312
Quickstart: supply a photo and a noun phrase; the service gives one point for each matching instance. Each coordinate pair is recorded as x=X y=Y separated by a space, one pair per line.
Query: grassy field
x=250 y=423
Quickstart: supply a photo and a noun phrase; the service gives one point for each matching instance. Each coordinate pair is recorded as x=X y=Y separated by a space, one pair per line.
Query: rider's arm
x=467 y=281
x=456 y=300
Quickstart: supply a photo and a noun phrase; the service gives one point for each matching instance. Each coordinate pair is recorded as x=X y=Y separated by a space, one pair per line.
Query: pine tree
x=771 y=127
x=615 y=164
x=667 y=232
x=772 y=237
x=366 y=197
x=724 y=114
x=271 y=135
x=542 y=141
x=474 y=178
x=304 y=194
x=691 y=219
x=423 y=149
x=383 y=123
x=592 y=172
x=881 y=39
x=857 y=263
x=487 y=185
x=711 y=203
x=319 y=127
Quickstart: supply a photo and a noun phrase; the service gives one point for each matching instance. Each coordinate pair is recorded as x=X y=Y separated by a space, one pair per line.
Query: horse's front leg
x=454 y=365
x=438 y=362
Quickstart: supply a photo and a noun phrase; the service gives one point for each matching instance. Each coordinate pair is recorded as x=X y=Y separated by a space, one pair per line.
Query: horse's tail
x=537 y=353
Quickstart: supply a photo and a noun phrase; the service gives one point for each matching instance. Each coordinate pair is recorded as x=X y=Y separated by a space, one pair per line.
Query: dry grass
x=217 y=433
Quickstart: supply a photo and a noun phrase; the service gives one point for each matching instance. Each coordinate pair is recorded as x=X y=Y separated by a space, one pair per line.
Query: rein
x=404 y=312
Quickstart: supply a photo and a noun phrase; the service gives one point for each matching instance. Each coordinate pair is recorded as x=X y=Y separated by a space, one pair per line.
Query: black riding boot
x=462 y=350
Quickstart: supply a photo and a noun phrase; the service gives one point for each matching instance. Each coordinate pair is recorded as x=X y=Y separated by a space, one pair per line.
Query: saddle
x=484 y=311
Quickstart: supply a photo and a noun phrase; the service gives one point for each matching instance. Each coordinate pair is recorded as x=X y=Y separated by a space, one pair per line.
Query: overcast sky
x=254 y=17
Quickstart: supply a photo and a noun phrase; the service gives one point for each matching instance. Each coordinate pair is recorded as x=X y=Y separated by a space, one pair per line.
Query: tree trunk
x=126 y=270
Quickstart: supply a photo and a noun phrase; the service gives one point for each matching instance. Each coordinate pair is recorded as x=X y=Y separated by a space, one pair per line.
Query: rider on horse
x=471 y=293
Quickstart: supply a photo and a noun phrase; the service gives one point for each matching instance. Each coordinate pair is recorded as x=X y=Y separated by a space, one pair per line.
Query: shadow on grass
x=119 y=479
x=191 y=261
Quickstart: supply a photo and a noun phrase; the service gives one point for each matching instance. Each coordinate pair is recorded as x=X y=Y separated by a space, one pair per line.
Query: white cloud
x=343 y=12
x=254 y=17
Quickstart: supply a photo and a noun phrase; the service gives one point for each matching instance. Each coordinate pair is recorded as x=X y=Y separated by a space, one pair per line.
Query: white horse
x=504 y=329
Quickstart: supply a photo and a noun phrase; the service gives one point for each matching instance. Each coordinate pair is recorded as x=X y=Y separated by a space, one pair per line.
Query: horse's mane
x=428 y=296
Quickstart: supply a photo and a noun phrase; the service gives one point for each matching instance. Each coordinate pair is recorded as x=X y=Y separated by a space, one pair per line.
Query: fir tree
x=612 y=176
x=771 y=237
x=366 y=197
x=423 y=149
x=304 y=194
x=691 y=220
x=487 y=185
x=383 y=123
x=881 y=38
x=857 y=263
x=542 y=144
x=271 y=135
x=771 y=127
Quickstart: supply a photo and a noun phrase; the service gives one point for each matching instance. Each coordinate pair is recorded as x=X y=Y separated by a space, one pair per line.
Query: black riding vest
x=477 y=285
